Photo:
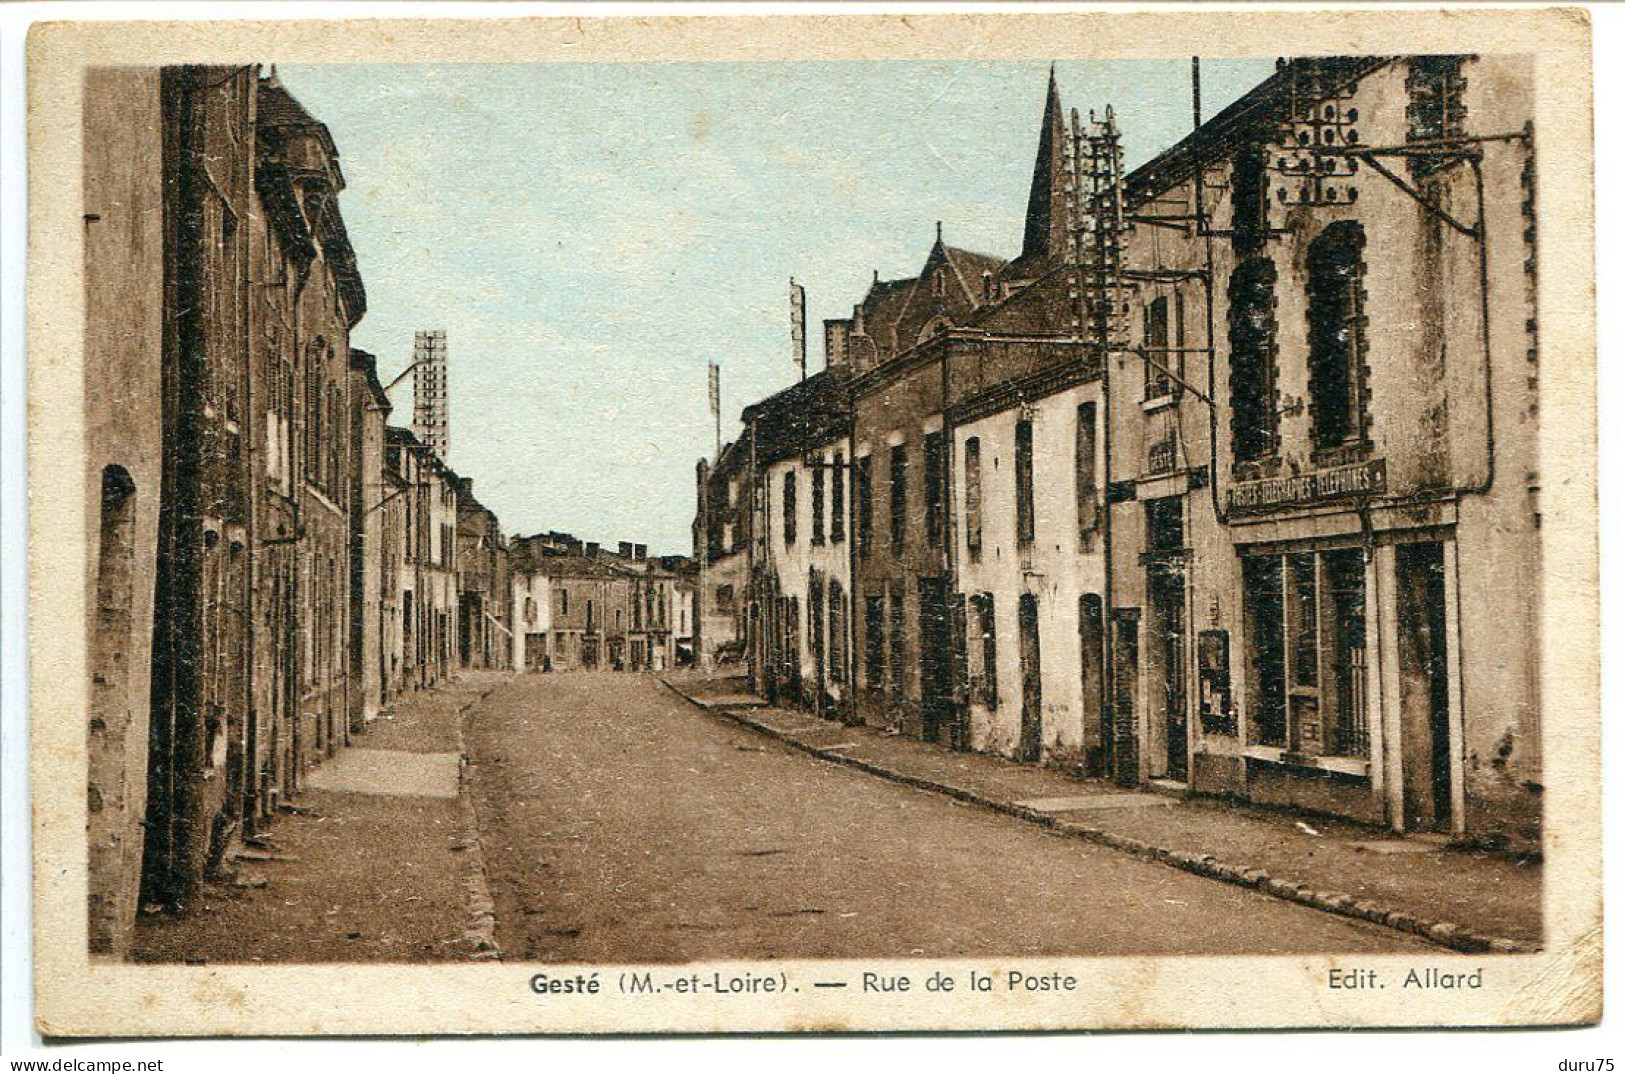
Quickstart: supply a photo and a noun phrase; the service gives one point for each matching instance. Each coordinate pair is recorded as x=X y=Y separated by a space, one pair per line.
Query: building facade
x=803 y=581
x=125 y=279
x=221 y=586
x=1373 y=375
x=724 y=611
x=1194 y=492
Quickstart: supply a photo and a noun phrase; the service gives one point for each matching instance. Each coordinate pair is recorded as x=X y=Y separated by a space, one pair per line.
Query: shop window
x=935 y=515
x=1254 y=417
x=1024 y=482
x=973 y=498
x=1306 y=651
x=1213 y=683
x=1337 y=335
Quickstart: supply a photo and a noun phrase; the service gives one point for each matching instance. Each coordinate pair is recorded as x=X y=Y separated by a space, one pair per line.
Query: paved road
x=622 y=824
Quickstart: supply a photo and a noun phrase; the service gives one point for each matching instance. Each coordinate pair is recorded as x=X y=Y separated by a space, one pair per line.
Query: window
x=864 y=481
x=837 y=499
x=1165 y=524
x=1157 y=383
x=314 y=391
x=1084 y=454
x=564 y=602
x=818 y=502
x=1024 y=481
x=1306 y=651
x=874 y=642
x=897 y=662
x=899 y=496
x=1254 y=417
x=837 y=632
x=935 y=515
x=790 y=508
x=1337 y=335
x=985 y=647
x=1344 y=597
x=1249 y=201
x=973 y=498
x=725 y=599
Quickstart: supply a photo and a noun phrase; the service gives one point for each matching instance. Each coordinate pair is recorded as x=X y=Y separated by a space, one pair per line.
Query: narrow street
x=621 y=824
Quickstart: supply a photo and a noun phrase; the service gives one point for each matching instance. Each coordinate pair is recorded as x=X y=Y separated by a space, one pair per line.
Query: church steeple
x=1045 y=235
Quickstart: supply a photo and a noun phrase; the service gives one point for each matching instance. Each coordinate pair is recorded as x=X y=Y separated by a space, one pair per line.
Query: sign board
x=1319 y=486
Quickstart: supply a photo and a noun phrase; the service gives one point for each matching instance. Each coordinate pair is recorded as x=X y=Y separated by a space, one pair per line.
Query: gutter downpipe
x=853 y=599
x=958 y=737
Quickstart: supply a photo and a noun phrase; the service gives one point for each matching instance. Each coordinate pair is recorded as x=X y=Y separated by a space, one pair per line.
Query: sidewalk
x=1462 y=899
x=378 y=860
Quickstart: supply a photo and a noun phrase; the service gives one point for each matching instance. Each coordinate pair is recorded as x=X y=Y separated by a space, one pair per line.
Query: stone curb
x=482 y=915
x=1442 y=933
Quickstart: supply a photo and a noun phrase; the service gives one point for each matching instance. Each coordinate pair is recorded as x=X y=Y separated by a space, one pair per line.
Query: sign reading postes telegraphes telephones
x=1319 y=486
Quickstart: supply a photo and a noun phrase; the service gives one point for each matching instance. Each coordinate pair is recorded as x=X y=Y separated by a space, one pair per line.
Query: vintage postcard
x=814 y=522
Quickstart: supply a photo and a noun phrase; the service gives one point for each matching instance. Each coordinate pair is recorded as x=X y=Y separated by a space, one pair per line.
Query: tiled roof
x=802 y=416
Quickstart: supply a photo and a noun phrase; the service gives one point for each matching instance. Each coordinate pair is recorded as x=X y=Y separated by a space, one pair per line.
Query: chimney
x=640 y=552
x=624 y=549
x=592 y=549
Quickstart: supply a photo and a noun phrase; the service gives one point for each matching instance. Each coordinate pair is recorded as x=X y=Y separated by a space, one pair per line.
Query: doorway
x=1097 y=718
x=936 y=658
x=1125 y=676
x=1167 y=593
x=1031 y=746
x=1424 y=686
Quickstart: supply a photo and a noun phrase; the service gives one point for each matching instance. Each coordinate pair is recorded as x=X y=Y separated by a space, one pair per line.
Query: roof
x=278 y=116
x=882 y=306
x=1045 y=234
x=970 y=266
x=532 y=560
x=279 y=109
x=805 y=415
x=364 y=362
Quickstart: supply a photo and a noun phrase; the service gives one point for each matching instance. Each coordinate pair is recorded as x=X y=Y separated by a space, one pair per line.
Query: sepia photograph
x=819 y=527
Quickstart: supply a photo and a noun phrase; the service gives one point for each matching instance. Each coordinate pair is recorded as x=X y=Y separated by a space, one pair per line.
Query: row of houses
x=579 y=606
x=270 y=561
x=1226 y=483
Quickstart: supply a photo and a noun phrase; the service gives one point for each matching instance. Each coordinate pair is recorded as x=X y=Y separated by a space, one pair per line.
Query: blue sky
x=590 y=235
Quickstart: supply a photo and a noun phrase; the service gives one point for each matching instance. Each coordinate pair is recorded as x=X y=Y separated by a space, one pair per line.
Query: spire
x=1046 y=205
